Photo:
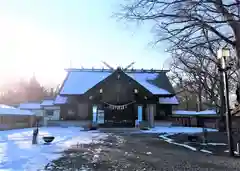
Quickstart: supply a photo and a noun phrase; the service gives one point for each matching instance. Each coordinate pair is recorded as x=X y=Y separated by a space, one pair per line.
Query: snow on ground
x=17 y=152
x=169 y=140
x=175 y=130
x=166 y=131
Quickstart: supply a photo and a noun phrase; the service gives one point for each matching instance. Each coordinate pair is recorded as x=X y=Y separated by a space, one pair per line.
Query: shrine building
x=116 y=97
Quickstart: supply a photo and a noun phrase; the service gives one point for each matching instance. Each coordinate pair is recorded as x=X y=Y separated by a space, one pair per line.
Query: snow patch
x=185 y=112
x=175 y=130
x=206 y=151
x=169 y=140
x=18 y=153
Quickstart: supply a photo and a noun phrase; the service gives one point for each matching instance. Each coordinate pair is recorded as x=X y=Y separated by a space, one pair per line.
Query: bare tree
x=183 y=20
x=200 y=74
x=195 y=29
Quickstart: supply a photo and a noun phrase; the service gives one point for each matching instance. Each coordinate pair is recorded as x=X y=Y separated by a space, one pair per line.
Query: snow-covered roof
x=60 y=100
x=185 y=112
x=211 y=112
x=79 y=82
x=6 y=106
x=9 y=110
x=47 y=103
x=143 y=79
x=168 y=100
x=30 y=105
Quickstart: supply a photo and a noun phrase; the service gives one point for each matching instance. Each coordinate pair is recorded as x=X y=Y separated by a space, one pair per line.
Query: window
x=49 y=112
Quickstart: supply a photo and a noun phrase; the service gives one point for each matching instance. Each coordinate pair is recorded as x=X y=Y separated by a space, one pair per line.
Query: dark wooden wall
x=163 y=112
x=208 y=122
x=117 y=89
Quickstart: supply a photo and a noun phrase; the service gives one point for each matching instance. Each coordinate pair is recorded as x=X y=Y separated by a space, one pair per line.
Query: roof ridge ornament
x=107 y=65
x=128 y=66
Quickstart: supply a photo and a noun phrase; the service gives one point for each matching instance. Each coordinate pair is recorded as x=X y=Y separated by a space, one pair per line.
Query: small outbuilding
x=207 y=118
x=13 y=118
x=51 y=111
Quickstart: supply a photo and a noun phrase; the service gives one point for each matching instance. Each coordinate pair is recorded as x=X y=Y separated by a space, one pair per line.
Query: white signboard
x=100 y=118
x=94 y=113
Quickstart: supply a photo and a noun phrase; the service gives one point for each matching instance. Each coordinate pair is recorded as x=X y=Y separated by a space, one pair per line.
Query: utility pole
x=228 y=114
x=223 y=104
x=222 y=55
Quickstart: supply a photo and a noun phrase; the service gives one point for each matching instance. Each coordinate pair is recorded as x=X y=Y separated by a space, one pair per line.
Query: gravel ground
x=139 y=152
x=213 y=137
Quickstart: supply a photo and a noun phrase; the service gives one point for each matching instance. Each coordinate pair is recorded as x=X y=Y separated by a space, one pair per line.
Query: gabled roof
x=145 y=80
x=79 y=81
x=169 y=100
x=60 y=100
x=47 y=102
x=30 y=105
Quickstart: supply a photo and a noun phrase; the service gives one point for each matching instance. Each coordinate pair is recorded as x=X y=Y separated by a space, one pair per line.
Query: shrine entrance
x=117 y=98
x=119 y=118
x=110 y=115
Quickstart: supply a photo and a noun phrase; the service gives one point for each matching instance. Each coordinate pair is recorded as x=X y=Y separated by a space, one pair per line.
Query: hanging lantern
x=101 y=91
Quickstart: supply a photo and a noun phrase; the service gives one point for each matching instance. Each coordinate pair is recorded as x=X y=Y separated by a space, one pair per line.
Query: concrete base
x=68 y=123
x=118 y=129
x=163 y=123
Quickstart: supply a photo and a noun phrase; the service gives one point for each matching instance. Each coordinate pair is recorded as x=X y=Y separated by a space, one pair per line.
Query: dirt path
x=139 y=152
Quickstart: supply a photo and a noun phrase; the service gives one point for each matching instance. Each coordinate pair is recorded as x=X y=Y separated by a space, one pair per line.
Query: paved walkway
x=139 y=152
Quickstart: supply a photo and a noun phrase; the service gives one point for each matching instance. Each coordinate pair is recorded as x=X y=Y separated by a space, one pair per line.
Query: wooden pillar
x=32 y=119
x=45 y=118
x=151 y=113
x=144 y=112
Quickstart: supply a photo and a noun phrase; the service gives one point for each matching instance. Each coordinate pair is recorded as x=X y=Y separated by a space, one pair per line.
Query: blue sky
x=43 y=36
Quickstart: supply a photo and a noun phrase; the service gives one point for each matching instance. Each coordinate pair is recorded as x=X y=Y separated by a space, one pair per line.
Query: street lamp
x=222 y=55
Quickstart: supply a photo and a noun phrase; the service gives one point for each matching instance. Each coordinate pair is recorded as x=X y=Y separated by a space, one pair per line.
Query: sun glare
x=26 y=49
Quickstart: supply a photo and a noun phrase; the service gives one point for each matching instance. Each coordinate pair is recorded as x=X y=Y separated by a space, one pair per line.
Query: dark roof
x=79 y=81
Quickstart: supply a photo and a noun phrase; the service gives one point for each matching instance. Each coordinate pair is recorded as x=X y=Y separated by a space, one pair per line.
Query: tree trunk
x=187 y=105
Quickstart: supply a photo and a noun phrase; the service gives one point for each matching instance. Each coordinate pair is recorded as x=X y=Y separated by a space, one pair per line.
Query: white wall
x=38 y=112
x=56 y=112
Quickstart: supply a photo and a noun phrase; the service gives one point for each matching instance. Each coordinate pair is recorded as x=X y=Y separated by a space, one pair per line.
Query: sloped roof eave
x=66 y=87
